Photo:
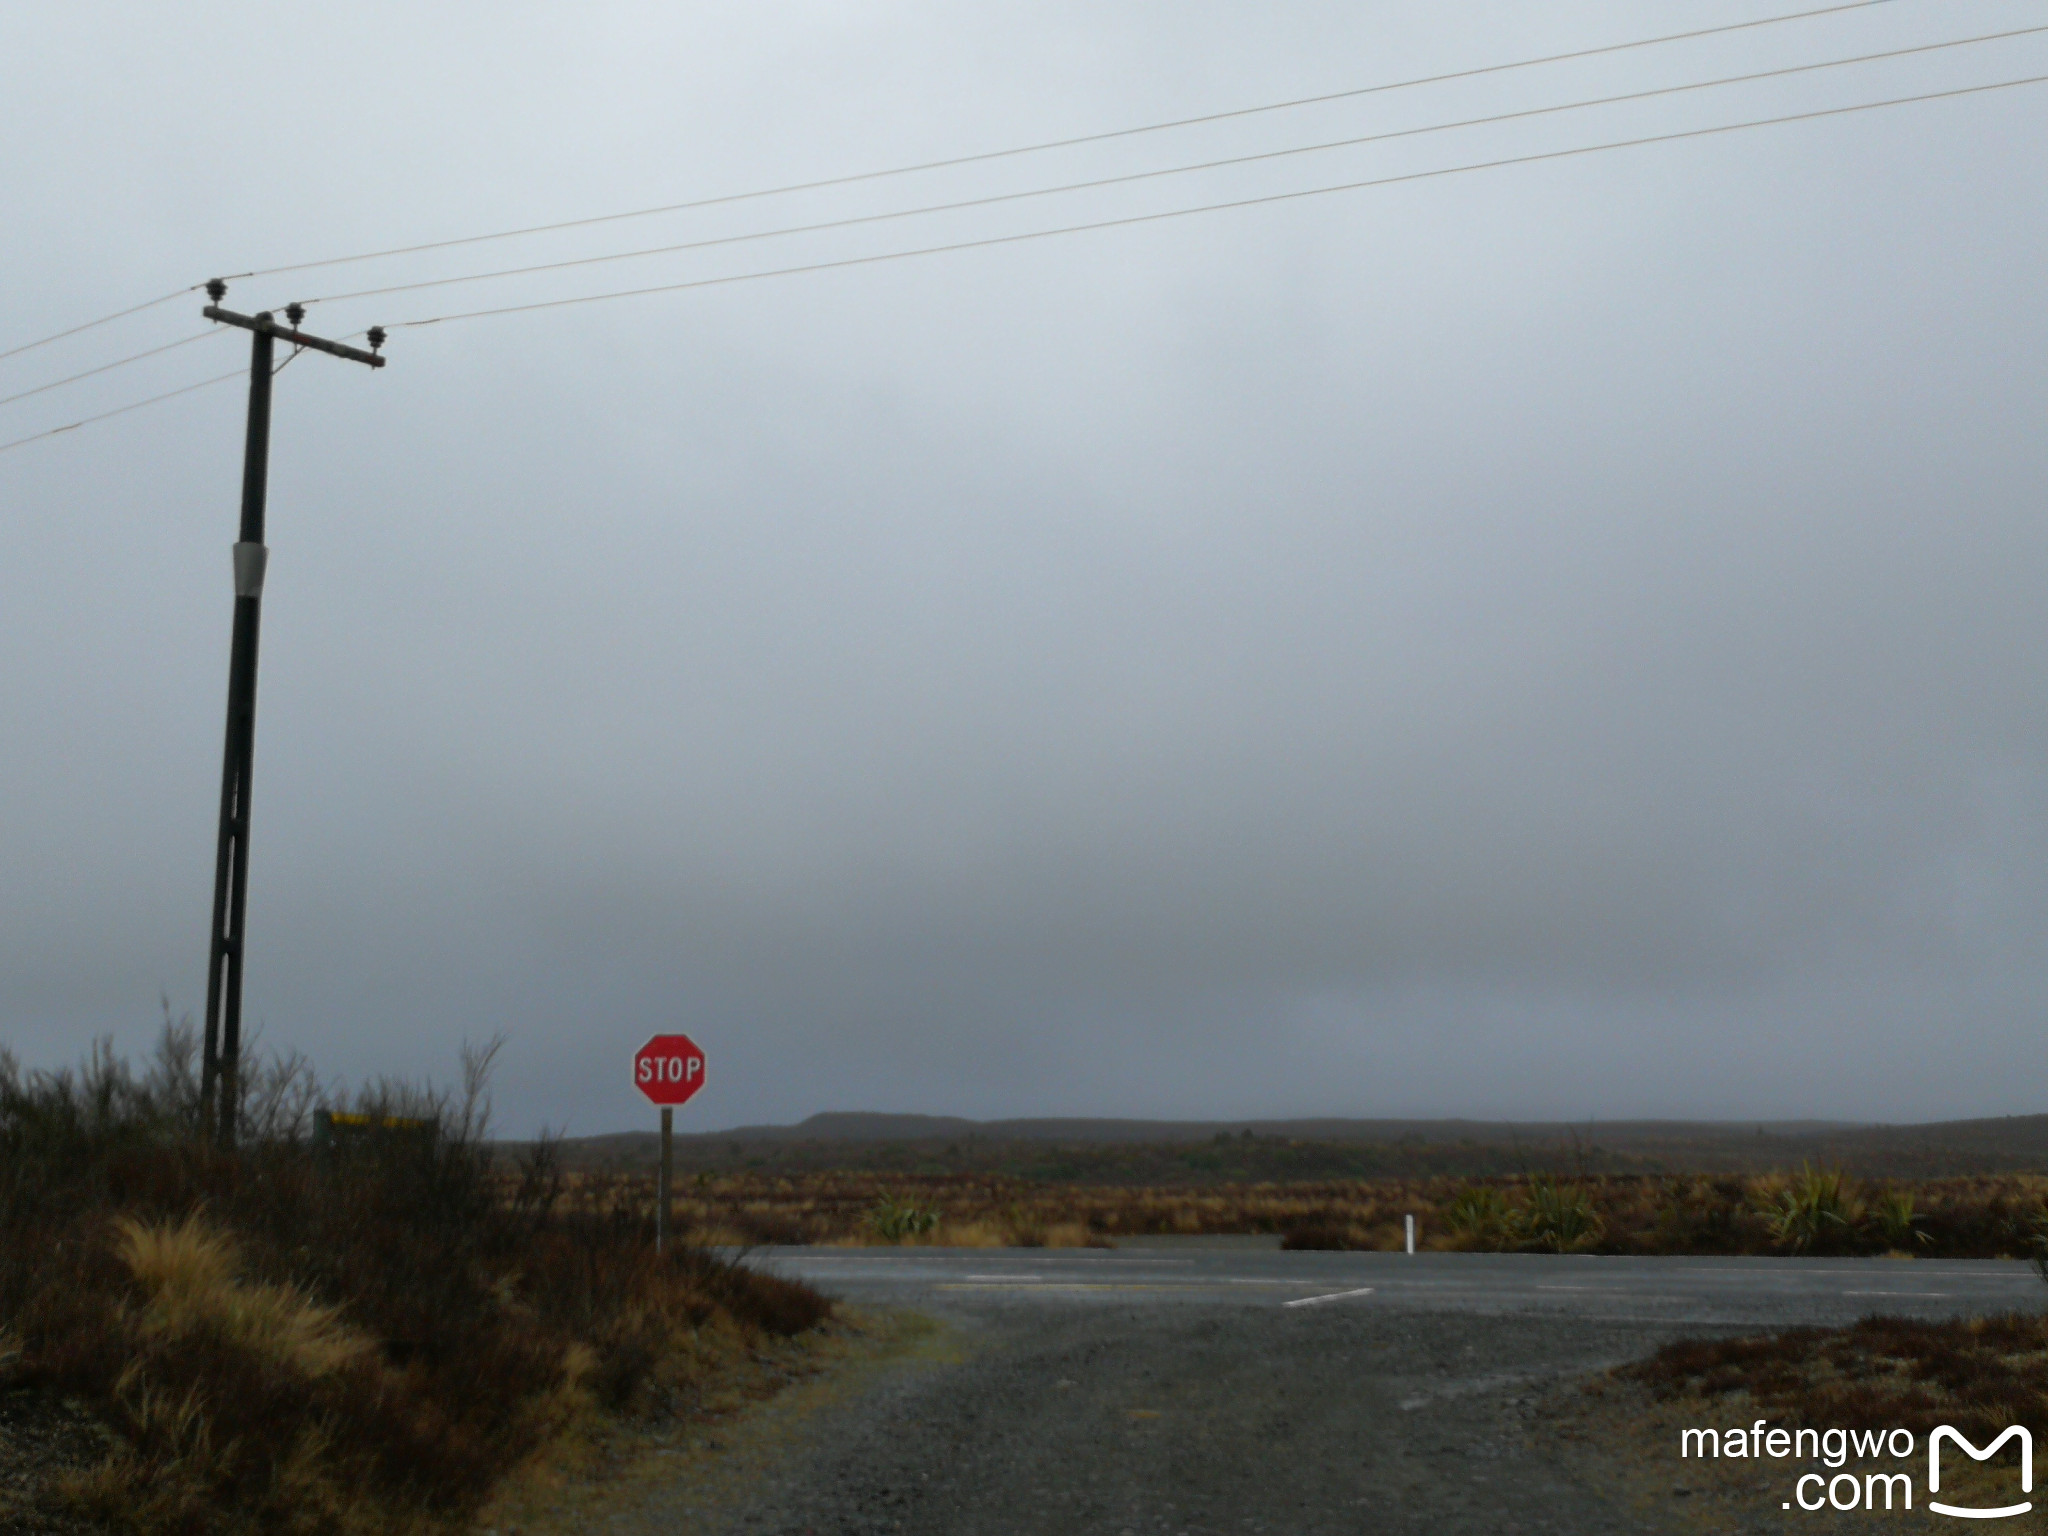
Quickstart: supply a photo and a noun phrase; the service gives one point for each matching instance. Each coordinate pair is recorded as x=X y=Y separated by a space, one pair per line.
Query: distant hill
x=1206 y=1151
x=867 y=1127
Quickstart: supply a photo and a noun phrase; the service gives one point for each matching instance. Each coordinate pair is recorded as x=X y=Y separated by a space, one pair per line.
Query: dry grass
x=188 y=1273
x=364 y=1343
x=1979 y=1374
x=1799 y=1211
x=980 y=1211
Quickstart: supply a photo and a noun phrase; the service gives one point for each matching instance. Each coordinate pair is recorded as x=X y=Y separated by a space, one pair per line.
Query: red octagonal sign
x=669 y=1069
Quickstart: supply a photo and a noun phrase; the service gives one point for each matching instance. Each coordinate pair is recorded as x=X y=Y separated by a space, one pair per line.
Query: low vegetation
x=1978 y=1374
x=1158 y=1154
x=364 y=1338
x=1806 y=1211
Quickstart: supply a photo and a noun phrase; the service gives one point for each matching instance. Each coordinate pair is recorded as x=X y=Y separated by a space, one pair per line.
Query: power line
x=119 y=314
x=87 y=421
x=1076 y=141
x=1125 y=222
x=1176 y=170
x=40 y=389
x=1247 y=202
x=153 y=399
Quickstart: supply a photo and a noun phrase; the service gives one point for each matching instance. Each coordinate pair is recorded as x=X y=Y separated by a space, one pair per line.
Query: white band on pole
x=250 y=559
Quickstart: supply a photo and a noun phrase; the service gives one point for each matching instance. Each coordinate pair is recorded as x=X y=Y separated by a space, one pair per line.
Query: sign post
x=663 y=1181
x=669 y=1069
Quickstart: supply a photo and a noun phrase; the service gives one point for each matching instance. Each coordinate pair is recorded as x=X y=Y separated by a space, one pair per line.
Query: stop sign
x=669 y=1069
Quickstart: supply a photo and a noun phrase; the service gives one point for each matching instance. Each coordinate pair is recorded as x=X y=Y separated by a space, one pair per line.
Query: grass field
x=1140 y=1152
x=1801 y=1210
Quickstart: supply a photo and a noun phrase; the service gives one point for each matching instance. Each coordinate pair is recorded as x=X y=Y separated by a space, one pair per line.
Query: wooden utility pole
x=664 y=1197
x=220 y=1069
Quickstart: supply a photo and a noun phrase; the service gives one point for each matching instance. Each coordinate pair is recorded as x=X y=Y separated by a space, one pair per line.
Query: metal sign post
x=669 y=1069
x=663 y=1184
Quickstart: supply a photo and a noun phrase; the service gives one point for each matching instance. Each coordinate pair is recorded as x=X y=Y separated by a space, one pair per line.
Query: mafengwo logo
x=1942 y=1433
x=1843 y=1490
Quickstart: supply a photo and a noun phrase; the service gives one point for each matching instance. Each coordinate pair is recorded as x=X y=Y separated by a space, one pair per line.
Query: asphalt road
x=1208 y=1389
x=969 y=1283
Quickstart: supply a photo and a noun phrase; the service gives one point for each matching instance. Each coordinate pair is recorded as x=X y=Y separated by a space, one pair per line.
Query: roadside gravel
x=1191 y=1419
x=42 y=1439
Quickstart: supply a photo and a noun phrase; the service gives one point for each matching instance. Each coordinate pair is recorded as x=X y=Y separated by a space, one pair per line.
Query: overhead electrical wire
x=169 y=394
x=1266 y=199
x=119 y=314
x=1130 y=177
x=169 y=346
x=1076 y=141
x=1087 y=185
x=122 y=410
x=985 y=156
x=1114 y=223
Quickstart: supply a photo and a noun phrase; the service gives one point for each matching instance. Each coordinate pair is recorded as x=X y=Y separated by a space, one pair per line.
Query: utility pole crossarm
x=220 y=1090
x=264 y=325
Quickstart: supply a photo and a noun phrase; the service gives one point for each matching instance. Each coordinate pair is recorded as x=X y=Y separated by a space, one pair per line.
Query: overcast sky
x=1557 y=641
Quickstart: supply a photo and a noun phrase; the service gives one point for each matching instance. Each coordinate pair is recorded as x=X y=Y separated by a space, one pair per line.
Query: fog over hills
x=866 y=1126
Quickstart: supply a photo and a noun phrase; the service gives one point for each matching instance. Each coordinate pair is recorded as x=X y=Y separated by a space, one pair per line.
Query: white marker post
x=1411 y=1235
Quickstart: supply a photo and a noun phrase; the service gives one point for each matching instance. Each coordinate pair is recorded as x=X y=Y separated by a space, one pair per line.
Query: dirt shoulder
x=1199 y=1419
x=710 y=1461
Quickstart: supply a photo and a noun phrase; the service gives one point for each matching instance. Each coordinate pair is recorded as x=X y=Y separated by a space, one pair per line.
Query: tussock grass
x=1805 y=1211
x=365 y=1342
x=189 y=1274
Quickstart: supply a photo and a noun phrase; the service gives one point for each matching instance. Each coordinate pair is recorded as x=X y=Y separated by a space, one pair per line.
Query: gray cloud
x=1559 y=641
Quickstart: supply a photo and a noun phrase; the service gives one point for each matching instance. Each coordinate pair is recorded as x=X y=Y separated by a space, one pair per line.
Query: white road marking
x=1924 y=1266
x=1310 y=1301
x=1899 y=1293
x=1042 y=1287
x=1163 y=1282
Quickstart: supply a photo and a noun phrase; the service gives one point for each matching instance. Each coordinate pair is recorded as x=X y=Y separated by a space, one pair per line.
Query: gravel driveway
x=1052 y=1397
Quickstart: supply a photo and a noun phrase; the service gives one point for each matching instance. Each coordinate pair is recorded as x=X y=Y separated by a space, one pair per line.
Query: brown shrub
x=1313 y=1235
x=1976 y=1217
x=1978 y=1374
x=368 y=1341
